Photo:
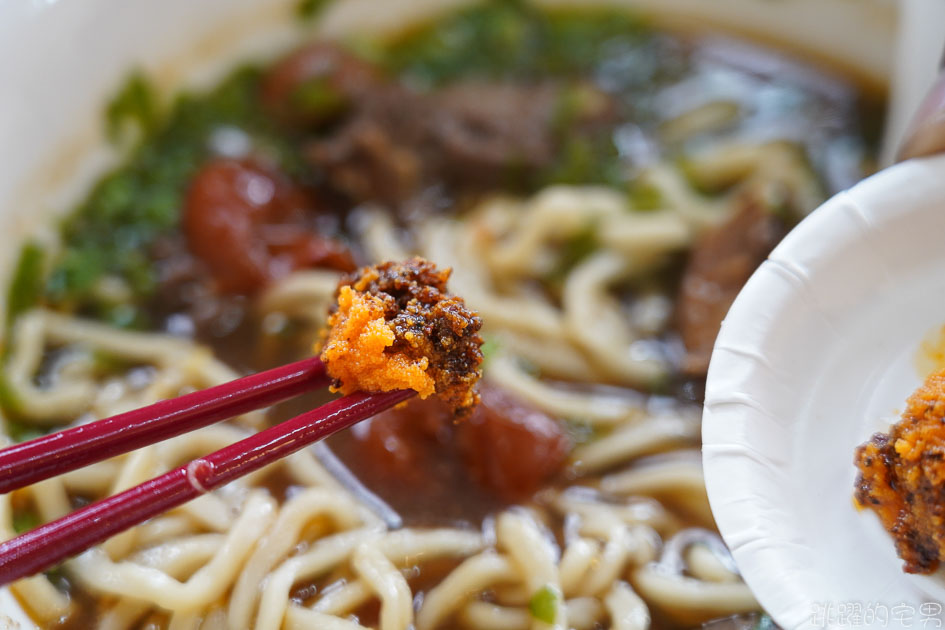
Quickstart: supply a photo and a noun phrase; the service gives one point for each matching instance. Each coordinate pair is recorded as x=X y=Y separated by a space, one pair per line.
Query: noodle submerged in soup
x=601 y=191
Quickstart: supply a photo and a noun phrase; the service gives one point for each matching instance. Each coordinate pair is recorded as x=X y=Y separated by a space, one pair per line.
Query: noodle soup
x=601 y=190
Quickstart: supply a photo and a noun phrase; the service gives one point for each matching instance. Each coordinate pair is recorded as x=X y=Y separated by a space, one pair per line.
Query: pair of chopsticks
x=61 y=452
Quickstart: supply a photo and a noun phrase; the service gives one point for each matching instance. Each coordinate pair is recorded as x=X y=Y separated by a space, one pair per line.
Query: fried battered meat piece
x=902 y=478
x=396 y=327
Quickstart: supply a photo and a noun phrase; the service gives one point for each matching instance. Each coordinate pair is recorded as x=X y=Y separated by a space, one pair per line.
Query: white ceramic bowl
x=60 y=60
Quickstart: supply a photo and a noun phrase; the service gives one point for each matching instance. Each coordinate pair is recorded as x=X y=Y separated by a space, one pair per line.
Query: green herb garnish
x=544 y=604
x=511 y=39
x=572 y=252
x=25 y=520
x=310 y=9
x=134 y=106
x=490 y=347
x=26 y=288
x=644 y=196
x=112 y=231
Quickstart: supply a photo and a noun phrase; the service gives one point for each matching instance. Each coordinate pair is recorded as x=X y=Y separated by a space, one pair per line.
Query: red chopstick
x=57 y=453
x=52 y=543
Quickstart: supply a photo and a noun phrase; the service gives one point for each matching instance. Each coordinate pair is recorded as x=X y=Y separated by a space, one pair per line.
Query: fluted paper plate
x=816 y=355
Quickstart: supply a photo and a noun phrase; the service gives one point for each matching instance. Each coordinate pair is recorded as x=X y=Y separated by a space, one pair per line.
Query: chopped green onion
x=646 y=197
x=544 y=604
x=490 y=346
x=25 y=521
x=26 y=289
x=310 y=9
x=135 y=105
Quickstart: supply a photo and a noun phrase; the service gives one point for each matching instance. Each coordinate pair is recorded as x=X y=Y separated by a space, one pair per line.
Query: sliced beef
x=471 y=135
x=379 y=153
x=720 y=264
x=486 y=133
x=373 y=139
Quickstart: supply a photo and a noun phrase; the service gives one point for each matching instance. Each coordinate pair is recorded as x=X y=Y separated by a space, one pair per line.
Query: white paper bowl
x=817 y=354
x=60 y=60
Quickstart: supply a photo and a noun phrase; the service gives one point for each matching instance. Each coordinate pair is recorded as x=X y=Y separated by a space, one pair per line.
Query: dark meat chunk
x=366 y=162
x=396 y=327
x=380 y=152
x=719 y=266
x=379 y=141
x=316 y=84
x=247 y=223
x=408 y=456
x=488 y=134
x=902 y=478
x=510 y=447
x=418 y=458
x=399 y=442
x=485 y=133
x=399 y=142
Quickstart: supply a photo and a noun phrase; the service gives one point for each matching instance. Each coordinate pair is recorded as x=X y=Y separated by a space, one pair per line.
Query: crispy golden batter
x=396 y=327
x=902 y=478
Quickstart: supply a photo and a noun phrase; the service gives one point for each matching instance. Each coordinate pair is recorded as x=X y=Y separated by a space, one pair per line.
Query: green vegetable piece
x=579 y=247
x=112 y=231
x=310 y=9
x=57 y=576
x=135 y=105
x=490 y=346
x=647 y=197
x=572 y=252
x=10 y=404
x=513 y=39
x=26 y=288
x=22 y=432
x=544 y=604
x=25 y=520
